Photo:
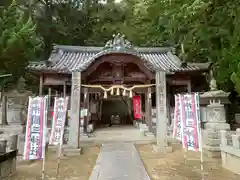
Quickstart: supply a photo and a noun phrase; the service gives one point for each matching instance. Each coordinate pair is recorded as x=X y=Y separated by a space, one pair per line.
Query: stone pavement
x=119 y=161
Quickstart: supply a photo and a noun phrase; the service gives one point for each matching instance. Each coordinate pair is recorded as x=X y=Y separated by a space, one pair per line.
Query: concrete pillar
x=74 y=134
x=161 y=110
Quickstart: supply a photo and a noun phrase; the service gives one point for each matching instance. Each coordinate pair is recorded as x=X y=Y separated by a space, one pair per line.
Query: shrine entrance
x=115 y=78
x=115 y=75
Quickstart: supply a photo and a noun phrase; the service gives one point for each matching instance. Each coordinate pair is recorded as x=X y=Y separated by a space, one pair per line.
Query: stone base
x=159 y=149
x=211 y=153
x=72 y=152
x=149 y=134
x=211 y=138
x=173 y=140
x=217 y=126
x=67 y=150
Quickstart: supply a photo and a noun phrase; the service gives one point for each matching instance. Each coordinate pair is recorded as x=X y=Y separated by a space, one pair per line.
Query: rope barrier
x=118 y=87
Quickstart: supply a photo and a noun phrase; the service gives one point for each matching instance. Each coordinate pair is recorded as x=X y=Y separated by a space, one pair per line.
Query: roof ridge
x=98 y=49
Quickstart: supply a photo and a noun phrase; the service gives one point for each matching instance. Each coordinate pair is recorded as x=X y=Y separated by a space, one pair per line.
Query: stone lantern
x=215 y=120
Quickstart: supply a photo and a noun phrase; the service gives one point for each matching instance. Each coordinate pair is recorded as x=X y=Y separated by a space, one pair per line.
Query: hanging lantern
x=124 y=92
x=105 y=95
x=130 y=94
x=118 y=93
x=112 y=91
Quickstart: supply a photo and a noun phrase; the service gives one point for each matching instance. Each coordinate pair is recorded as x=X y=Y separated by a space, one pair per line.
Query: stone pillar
x=3 y=146
x=161 y=110
x=13 y=142
x=74 y=134
x=216 y=122
x=4 y=111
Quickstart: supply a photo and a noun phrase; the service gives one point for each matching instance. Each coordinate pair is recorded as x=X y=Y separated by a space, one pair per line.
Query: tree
x=18 y=42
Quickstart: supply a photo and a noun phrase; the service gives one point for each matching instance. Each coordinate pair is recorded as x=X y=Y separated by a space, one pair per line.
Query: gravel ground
x=173 y=167
x=72 y=167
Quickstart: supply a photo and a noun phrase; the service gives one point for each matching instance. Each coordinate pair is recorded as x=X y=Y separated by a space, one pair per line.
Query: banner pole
x=201 y=150
x=60 y=144
x=43 y=167
x=200 y=136
x=185 y=155
x=45 y=135
x=59 y=158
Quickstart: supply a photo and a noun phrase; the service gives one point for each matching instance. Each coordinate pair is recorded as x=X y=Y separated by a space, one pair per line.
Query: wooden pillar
x=49 y=96
x=149 y=110
x=74 y=128
x=64 y=89
x=161 y=111
x=189 y=87
x=86 y=106
x=146 y=108
x=41 y=86
x=168 y=105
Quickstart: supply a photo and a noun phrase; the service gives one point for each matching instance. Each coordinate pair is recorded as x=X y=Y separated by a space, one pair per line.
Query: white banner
x=177 y=120
x=58 y=122
x=35 y=138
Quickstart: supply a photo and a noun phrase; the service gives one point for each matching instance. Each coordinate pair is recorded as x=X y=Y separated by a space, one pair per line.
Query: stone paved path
x=119 y=161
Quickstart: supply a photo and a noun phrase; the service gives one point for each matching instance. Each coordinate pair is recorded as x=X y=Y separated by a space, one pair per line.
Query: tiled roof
x=65 y=59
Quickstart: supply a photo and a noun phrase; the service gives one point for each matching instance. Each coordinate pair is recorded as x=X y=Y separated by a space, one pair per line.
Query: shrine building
x=104 y=80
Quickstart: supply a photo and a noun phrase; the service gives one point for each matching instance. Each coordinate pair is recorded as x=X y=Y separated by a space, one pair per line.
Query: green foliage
x=18 y=42
x=208 y=30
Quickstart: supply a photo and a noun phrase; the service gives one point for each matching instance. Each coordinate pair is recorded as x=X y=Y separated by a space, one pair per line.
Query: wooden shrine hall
x=104 y=79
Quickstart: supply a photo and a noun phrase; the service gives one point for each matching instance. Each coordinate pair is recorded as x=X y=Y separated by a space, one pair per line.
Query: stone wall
x=230 y=150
